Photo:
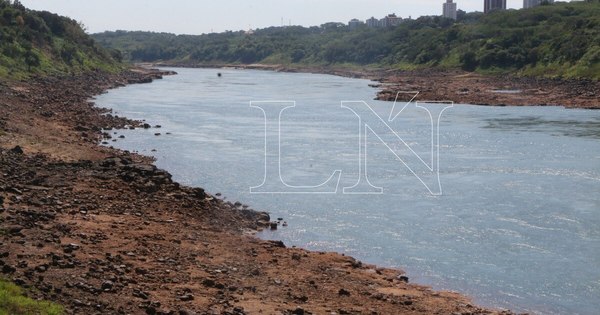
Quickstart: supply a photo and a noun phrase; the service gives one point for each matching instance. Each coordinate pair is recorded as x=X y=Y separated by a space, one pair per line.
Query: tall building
x=373 y=22
x=450 y=9
x=491 y=5
x=534 y=3
x=354 y=23
x=390 y=20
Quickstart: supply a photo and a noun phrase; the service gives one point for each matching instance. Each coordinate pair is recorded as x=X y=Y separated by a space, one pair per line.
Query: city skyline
x=198 y=17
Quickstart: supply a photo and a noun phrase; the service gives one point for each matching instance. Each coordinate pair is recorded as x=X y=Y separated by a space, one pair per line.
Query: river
x=517 y=224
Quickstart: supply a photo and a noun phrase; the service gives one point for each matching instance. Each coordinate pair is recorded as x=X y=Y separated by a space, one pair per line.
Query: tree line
x=559 y=40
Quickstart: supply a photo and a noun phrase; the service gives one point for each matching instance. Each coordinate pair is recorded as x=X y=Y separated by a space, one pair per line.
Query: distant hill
x=33 y=42
x=550 y=40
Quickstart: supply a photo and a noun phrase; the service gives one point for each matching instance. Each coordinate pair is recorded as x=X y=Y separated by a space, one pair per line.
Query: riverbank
x=458 y=86
x=104 y=231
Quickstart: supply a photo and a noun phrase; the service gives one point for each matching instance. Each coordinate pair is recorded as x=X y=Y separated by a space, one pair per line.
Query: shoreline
x=457 y=86
x=103 y=230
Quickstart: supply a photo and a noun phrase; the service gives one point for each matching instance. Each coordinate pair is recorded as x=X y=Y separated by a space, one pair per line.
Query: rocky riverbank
x=459 y=87
x=103 y=231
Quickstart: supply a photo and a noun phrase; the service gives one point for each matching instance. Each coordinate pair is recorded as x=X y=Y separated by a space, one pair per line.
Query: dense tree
x=43 y=42
x=561 y=39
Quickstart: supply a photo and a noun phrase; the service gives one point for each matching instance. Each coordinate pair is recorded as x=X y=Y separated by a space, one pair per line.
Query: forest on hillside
x=45 y=43
x=550 y=40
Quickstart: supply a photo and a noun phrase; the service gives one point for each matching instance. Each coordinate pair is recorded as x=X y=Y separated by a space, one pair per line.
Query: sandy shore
x=103 y=231
x=459 y=87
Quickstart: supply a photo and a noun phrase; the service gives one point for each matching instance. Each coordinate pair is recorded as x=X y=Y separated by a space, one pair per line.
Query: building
x=534 y=3
x=450 y=10
x=390 y=20
x=373 y=22
x=354 y=23
x=492 y=5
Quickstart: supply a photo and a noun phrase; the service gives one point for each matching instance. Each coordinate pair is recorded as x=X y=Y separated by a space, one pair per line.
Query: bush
x=13 y=302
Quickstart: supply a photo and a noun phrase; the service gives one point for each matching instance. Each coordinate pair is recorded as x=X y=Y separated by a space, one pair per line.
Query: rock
x=402 y=278
x=8 y=269
x=70 y=248
x=14 y=230
x=146 y=126
x=186 y=297
x=273 y=225
x=298 y=311
x=17 y=150
x=107 y=285
x=208 y=283
x=140 y=294
x=141 y=271
x=277 y=244
x=157 y=134
x=344 y=292
x=78 y=303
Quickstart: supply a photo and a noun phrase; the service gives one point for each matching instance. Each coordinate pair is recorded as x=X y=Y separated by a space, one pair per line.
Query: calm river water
x=517 y=225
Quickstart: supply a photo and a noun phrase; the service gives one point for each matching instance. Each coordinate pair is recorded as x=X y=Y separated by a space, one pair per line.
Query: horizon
x=178 y=17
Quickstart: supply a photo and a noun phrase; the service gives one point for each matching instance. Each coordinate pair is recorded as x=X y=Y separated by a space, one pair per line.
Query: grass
x=13 y=302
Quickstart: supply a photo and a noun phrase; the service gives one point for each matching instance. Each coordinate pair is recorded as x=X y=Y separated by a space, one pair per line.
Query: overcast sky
x=201 y=16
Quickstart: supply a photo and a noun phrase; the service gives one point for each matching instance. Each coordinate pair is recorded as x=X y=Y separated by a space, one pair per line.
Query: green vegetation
x=550 y=40
x=33 y=42
x=12 y=302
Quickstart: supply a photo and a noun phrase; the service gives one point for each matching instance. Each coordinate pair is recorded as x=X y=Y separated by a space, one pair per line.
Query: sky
x=201 y=16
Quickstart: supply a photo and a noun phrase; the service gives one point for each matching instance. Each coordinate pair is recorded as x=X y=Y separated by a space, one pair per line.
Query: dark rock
x=140 y=294
x=8 y=269
x=141 y=271
x=17 y=150
x=277 y=244
x=344 y=292
x=186 y=297
x=402 y=278
x=107 y=285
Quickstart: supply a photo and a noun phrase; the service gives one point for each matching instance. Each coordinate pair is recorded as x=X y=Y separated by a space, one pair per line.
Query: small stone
x=186 y=297
x=298 y=311
x=107 y=285
x=344 y=292
x=402 y=278
x=8 y=269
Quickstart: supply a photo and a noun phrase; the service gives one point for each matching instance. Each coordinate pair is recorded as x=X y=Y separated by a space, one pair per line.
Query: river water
x=517 y=225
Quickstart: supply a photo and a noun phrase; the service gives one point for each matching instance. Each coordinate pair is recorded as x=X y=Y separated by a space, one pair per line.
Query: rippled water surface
x=517 y=226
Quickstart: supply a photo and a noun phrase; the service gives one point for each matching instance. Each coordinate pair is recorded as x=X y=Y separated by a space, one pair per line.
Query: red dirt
x=103 y=231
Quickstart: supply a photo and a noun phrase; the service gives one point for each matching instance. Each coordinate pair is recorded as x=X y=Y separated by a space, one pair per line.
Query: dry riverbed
x=103 y=231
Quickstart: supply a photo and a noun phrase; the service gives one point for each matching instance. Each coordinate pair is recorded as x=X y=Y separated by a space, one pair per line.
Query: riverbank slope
x=104 y=231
